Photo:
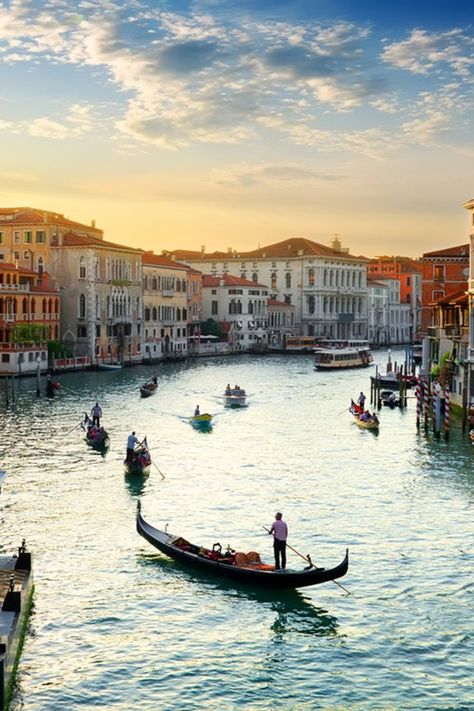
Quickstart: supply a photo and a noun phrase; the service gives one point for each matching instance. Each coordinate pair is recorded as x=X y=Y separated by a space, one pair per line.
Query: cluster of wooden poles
x=432 y=402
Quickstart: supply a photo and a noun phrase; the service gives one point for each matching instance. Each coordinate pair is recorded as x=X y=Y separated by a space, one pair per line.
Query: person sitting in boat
x=197 y=411
x=365 y=416
x=228 y=390
x=132 y=441
x=374 y=418
x=96 y=413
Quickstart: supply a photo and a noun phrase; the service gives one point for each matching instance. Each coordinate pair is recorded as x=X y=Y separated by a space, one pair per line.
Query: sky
x=238 y=123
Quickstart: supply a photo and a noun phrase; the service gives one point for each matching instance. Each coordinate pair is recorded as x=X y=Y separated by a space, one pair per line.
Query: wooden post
x=38 y=377
x=426 y=402
x=437 y=411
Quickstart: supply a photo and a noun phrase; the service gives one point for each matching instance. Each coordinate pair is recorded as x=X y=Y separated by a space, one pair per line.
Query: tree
x=212 y=328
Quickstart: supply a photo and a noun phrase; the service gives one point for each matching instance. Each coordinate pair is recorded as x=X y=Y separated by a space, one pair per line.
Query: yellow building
x=165 y=307
x=101 y=290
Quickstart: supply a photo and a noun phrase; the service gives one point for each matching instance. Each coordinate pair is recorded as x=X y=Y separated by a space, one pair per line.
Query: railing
x=432 y=331
x=453 y=330
x=79 y=362
x=167 y=292
x=15 y=287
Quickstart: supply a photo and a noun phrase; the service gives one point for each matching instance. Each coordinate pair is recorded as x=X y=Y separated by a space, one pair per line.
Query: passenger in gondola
x=96 y=413
x=365 y=416
x=132 y=441
x=228 y=390
x=197 y=411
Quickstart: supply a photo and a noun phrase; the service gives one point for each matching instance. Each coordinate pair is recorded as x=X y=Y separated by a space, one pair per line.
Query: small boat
x=140 y=461
x=240 y=567
x=148 y=388
x=235 y=397
x=389 y=399
x=203 y=421
x=366 y=424
x=110 y=366
x=96 y=437
x=335 y=355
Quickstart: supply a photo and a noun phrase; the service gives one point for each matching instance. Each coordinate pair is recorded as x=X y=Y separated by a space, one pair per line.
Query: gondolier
x=131 y=442
x=96 y=413
x=280 y=534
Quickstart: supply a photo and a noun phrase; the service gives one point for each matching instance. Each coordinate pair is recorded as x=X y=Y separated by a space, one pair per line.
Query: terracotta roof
x=23 y=270
x=407 y=264
x=460 y=251
x=32 y=215
x=72 y=239
x=376 y=282
x=159 y=261
x=291 y=247
x=229 y=280
x=279 y=304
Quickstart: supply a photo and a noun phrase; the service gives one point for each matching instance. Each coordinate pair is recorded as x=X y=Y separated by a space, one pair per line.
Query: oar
x=344 y=410
x=307 y=558
x=156 y=467
x=74 y=428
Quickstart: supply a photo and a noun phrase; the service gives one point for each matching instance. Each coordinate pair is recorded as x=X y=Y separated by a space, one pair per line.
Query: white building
x=389 y=318
x=326 y=285
x=239 y=302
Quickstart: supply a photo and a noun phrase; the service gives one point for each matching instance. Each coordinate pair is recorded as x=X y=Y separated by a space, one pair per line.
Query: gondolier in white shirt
x=131 y=442
x=280 y=534
x=96 y=413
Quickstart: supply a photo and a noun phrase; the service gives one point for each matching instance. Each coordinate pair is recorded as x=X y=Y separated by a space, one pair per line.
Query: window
x=2 y=238
x=82 y=306
x=288 y=298
x=27 y=237
x=273 y=279
x=437 y=295
x=82 y=331
x=408 y=281
x=311 y=278
x=16 y=237
x=40 y=237
x=255 y=277
x=16 y=255
x=439 y=272
x=288 y=280
x=26 y=255
x=82 y=268
x=97 y=331
x=214 y=307
x=5 y=357
x=311 y=304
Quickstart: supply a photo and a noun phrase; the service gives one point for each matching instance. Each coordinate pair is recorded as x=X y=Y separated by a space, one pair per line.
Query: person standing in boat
x=280 y=534
x=132 y=441
x=96 y=413
x=361 y=400
x=197 y=411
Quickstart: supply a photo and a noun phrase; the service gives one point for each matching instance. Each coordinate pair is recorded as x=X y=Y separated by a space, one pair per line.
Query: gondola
x=213 y=562
x=140 y=461
x=148 y=389
x=96 y=437
x=357 y=410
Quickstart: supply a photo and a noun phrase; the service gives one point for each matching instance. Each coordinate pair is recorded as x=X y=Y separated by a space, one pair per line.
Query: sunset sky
x=234 y=123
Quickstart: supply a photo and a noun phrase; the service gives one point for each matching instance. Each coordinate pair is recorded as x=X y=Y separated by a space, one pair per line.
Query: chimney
x=203 y=249
x=336 y=243
x=93 y=223
x=229 y=250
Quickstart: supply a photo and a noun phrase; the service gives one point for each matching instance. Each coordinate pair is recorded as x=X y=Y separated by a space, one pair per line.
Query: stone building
x=165 y=307
x=326 y=285
x=444 y=272
x=101 y=291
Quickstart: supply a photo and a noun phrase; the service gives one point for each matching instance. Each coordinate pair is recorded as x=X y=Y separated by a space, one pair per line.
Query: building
x=241 y=304
x=389 y=318
x=281 y=322
x=444 y=272
x=29 y=318
x=101 y=292
x=326 y=285
x=470 y=289
x=449 y=344
x=409 y=273
x=165 y=307
x=27 y=235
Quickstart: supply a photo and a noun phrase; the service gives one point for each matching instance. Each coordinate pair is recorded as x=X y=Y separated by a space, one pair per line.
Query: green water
x=118 y=626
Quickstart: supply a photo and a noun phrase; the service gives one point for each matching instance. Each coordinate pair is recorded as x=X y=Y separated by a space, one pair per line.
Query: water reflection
x=294 y=612
x=136 y=483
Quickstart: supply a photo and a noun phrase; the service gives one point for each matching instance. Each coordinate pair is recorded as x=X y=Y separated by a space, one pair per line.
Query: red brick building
x=444 y=272
x=409 y=274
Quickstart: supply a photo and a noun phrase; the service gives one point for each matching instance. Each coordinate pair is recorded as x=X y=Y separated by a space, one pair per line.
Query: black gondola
x=221 y=565
x=140 y=461
x=149 y=388
x=96 y=437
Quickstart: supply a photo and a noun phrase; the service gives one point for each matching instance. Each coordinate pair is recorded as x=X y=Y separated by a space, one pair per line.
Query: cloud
x=422 y=52
x=268 y=174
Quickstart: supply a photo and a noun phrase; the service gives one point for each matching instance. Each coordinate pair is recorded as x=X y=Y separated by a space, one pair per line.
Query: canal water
x=117 y=626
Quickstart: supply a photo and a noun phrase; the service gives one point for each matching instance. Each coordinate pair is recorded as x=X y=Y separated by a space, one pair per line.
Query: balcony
x=453 y=331
x=15 y=287
x=167 y=292
x=432 y=331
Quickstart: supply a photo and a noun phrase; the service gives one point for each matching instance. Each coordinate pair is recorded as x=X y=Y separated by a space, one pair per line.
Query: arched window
x=273 y=280
x=45 y=306
x=178 y=312
x=250 y=307
x=183 y=286
x=82 y=306
x=185 y=314
x=288 y=280
x=311 y=304
x=154 y=284
x=40 y=265
x=255 y=277
x=147 y=313
x=25 y=306
x=82 y=268
x=154 y=313
x=311 y=278
x=33 y=308
x=178 y=285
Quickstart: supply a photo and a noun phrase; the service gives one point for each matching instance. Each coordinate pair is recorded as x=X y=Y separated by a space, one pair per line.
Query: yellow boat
x=366 y=425
x=204 y=420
